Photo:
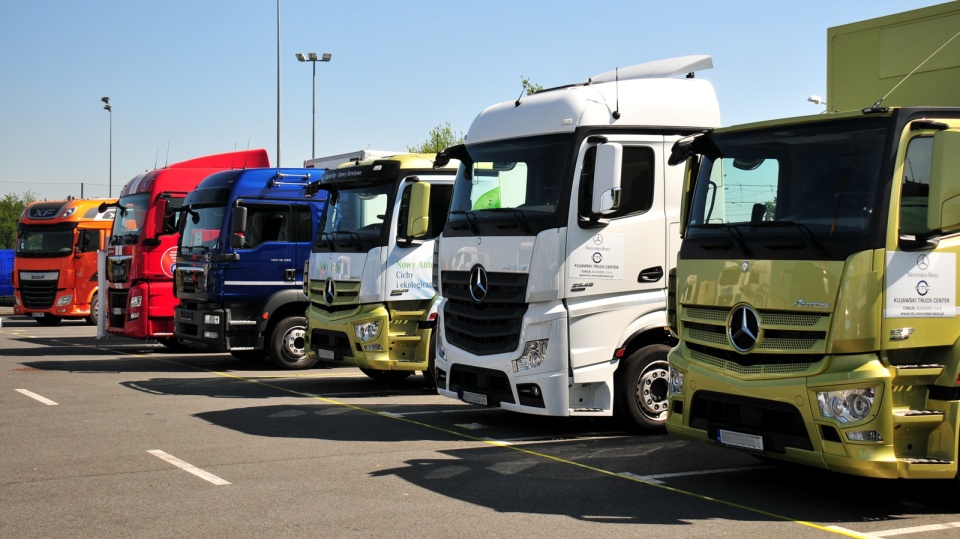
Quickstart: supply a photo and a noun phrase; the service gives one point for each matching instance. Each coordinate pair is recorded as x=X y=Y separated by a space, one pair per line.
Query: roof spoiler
x=657 y=69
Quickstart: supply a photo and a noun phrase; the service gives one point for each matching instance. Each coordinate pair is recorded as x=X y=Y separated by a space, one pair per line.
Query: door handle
x=650 y=275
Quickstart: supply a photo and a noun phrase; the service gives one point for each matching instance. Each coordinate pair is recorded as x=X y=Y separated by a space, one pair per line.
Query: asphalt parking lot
x=115 y=437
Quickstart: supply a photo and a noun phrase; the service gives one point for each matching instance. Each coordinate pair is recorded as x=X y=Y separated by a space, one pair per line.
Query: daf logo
x=329 y=292
x=478 y=284
x=743 y=330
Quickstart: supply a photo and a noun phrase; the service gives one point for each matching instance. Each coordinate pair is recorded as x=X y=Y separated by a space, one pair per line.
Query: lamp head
x=301 y=57
x=105 y=100
x=326 y=57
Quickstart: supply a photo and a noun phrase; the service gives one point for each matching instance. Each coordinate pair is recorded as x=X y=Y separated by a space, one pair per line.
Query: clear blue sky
x=200 y=76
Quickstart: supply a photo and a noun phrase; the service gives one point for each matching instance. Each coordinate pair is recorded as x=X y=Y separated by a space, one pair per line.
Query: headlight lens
x=534 y=352
x=64 y=300
x=366 y=331
x=846 y=405
x=676 y=381
x=136 y=301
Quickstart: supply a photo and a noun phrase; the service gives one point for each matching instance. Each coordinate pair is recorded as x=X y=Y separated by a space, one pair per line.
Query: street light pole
x=109 y=109
x=312 y=58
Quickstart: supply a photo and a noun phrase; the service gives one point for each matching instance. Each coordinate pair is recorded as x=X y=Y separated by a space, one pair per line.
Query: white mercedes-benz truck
x=563 y=226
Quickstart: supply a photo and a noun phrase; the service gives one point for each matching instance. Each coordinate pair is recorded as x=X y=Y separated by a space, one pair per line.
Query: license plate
x=474 y=398
x=739 y=439
x=324 y=354
x=117 y=310
x=36 y=315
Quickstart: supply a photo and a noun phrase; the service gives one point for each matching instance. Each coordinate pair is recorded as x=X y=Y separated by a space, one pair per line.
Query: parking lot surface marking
x=40 y=398
x=187 y=467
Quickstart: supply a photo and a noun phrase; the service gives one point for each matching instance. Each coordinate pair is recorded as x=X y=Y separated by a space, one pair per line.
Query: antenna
x=876 y=106
x=167 y=158
x=616 y=112
x=517 y=102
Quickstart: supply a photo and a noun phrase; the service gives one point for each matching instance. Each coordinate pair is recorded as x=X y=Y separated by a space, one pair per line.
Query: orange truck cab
x=55 y=266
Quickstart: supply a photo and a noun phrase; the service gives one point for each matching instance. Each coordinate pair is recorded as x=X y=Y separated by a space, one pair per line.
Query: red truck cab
x=142 y=247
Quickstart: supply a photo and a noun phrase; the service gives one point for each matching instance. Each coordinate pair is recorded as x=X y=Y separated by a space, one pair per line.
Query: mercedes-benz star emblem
x=744 y=328
x=329 y=292
x=478 y=284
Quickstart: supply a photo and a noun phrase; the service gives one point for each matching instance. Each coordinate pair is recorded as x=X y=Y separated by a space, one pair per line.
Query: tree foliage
x=11 y=206
x=440 y=137
x=529 y=87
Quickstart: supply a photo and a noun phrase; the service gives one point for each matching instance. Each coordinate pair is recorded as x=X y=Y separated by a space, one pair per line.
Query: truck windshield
x=805 y=191
x=201 y=228
x=355 y=218
x=512 y=187
x=45 y=241
x=129 y=218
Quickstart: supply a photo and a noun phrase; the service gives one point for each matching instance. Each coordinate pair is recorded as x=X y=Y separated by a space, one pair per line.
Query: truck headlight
x=366 y=331
x=846 y=405
x=534 y=352
x=64 y=300
x=136 y=301
x=676 y=381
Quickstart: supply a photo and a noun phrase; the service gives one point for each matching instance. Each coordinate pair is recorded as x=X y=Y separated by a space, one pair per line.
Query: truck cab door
x=410 y=260
x=617 y=261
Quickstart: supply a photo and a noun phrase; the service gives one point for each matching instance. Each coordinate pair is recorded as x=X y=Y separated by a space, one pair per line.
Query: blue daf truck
x=244 y=238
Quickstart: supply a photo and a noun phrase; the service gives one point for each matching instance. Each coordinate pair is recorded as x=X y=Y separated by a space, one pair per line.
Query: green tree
x=11 y=206
x=440 y=137
x=530 y=87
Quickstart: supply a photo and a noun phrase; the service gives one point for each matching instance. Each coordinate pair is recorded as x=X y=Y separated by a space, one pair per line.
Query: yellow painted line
x=506 y=445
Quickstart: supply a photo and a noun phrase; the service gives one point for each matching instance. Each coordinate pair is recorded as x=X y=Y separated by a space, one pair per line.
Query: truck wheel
x=430 y=375
x=386 y=376
x=49 y=320
x=94 y=315
x=287 y=344
x=642 y=391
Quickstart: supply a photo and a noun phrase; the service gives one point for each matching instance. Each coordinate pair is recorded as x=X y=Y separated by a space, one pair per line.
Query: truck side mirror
x=159 y=216
x=418 y=215
x=606 y=179
x=943 y=211
x=238 y=226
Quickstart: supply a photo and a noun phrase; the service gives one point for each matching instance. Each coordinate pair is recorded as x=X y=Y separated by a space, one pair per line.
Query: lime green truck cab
x=369 y=276
x=815 y=292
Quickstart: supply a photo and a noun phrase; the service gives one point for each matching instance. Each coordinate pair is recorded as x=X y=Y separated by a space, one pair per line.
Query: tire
x=249 y=355
x=430 y=375
x=94 y=315
x=49 y=320
x=287 y=344
x=386 y=376
x=642 y=389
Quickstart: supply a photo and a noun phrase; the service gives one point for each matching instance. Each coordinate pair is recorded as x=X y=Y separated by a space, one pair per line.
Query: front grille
x=491 y=326
x=780 y=424
x=118 y=269
x=38 y=294
x=792 y=342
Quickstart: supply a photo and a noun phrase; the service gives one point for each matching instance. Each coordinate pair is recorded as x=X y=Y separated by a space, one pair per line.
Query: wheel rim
x=652 y=391
x=294 y=342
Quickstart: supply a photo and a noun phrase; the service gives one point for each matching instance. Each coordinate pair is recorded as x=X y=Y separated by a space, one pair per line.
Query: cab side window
x=267 y=223
x=915 y=190
x=636 y=182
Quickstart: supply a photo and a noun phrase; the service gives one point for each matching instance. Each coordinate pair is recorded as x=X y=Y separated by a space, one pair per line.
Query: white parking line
x=656 y=479
x=187 y=467
x=906 y=531
x=40 y=398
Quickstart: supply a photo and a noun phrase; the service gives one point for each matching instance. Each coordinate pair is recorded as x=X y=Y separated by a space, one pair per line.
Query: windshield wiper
x=805 y=231
x=518 y=216
x=734 y=234
x=470 y=217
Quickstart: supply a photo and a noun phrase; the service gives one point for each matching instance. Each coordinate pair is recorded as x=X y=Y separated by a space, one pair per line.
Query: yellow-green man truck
x=815 y=293
x=368 y=278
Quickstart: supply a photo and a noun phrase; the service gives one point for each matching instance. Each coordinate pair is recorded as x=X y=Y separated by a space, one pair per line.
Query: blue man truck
x=244 y=238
